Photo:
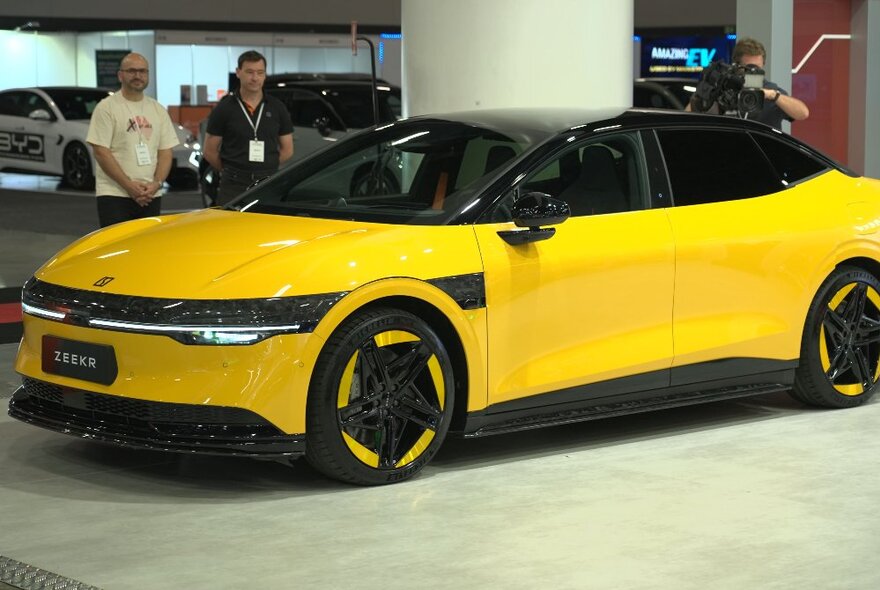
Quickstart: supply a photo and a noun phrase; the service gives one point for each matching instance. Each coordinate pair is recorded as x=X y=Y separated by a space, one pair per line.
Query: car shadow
x=458 y=453
x=49 y=464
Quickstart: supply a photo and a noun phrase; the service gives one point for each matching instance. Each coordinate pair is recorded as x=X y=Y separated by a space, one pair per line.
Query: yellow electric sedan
x=474 y=274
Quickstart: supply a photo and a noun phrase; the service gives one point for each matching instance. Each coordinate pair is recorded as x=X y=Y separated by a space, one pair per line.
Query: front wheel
x=840 y=351
x=381 y=398
x=77 y=167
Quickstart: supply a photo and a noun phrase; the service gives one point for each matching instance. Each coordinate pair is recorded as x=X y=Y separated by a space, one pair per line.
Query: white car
x=43 y=131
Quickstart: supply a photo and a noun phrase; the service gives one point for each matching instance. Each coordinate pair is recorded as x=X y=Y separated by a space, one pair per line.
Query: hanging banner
x=107 y=65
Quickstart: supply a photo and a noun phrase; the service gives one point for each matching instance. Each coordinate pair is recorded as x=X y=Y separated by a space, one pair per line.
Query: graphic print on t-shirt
x=138 y=121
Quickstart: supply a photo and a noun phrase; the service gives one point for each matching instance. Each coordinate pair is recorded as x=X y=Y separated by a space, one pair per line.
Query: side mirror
x=322 y=124
x=536 y=209
x=40 y=115
x=532 y=211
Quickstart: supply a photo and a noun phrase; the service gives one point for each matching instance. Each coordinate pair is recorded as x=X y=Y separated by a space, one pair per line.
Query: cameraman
x=778 y=105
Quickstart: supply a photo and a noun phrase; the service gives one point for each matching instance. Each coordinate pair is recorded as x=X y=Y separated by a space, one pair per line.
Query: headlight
x=189 y=321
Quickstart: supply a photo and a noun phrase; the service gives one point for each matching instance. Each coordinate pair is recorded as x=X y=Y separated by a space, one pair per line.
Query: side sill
x=491 y=421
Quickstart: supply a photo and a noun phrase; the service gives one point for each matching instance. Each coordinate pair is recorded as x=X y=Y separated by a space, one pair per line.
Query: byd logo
x=22 y=146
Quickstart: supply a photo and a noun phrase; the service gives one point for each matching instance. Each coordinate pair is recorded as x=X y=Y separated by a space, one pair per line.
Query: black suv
x=324 y=108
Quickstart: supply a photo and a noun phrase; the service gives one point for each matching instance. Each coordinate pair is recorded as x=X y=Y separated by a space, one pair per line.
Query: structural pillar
x=771 y=23
x=864 y=96
x=463 y=55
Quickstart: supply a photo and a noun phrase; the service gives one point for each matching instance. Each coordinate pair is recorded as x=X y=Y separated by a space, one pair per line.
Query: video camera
x=737 y=89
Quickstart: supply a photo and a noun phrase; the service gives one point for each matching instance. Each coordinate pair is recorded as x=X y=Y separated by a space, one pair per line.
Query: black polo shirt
x=228 y=122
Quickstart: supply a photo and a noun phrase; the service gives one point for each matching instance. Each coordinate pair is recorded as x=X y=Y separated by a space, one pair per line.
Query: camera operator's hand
x=796 y=109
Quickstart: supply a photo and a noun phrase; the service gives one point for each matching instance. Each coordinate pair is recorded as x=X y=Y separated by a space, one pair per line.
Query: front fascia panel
x=268 y=378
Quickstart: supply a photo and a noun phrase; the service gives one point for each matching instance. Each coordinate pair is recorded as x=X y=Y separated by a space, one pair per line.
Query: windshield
x=419 y=172
x=76 y=103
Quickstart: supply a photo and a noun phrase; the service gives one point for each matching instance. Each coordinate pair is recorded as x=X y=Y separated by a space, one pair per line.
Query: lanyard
x=248 y=117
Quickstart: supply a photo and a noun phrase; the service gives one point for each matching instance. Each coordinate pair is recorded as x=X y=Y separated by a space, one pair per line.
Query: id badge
x=257 y=151
x=143 y=154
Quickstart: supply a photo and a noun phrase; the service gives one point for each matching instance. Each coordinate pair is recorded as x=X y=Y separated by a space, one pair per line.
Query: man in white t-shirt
x=132 y=136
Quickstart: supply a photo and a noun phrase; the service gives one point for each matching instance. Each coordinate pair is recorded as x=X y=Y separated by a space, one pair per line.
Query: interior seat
x=597 y=188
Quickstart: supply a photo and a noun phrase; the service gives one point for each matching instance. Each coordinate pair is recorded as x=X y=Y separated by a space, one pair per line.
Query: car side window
x=11 y=104
x=791 y=163
x=32 y=102
x=597 y=177
x=710 y=166
x=306 y=107
x=651 y=98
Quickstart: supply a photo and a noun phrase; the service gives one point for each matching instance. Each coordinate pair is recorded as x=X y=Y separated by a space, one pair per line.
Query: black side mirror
x=536 y=209
x=322 y=124
x=532 y=211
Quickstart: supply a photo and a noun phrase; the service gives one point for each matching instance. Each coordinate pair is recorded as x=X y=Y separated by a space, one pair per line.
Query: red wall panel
x=823 y=81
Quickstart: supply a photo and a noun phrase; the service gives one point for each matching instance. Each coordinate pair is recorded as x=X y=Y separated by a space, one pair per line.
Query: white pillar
x=465 y=55
x=770 y=22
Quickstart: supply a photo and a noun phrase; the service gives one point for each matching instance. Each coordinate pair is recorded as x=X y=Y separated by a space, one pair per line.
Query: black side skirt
x=682 y=386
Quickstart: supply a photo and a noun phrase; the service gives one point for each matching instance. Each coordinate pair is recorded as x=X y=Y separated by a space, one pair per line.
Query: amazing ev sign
x=687 y=56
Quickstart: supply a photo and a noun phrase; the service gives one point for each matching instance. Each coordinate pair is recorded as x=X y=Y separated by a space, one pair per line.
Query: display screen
x=684 y=55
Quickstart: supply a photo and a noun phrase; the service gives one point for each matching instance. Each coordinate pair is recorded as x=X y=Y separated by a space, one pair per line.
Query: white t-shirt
x=120 y=125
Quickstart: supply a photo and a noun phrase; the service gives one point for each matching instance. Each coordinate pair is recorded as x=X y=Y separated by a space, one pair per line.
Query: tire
x=380 y=401
x=76 y=166
x=840 y=350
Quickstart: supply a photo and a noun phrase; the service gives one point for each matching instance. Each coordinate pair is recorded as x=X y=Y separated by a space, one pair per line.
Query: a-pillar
x=465 y=55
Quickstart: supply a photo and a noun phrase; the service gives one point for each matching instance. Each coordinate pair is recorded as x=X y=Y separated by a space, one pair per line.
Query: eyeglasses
x=136 y=71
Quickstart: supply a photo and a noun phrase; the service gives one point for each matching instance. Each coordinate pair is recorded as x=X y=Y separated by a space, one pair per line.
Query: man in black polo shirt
x=249 y=133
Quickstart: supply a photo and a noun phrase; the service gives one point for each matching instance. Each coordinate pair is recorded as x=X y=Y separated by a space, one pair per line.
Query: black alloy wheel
x=381 y=399
x=840 y=352
x=77 y=167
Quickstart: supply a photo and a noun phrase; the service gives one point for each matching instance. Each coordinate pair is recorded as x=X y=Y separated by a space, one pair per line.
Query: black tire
x=840 y=349
x=76 y=167
x=380 y=401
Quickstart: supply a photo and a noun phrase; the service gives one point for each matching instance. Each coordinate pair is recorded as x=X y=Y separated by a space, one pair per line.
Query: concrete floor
x=757 y=493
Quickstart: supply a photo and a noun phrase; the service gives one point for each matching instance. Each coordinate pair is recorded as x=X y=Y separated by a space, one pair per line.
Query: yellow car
x=475 y=273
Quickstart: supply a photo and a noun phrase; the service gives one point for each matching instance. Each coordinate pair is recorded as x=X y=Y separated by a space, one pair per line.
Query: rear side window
x=709 y=166
x=306 y=108
x=791 y=163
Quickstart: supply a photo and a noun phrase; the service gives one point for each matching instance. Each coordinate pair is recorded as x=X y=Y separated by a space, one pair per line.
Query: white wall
x=39 y=59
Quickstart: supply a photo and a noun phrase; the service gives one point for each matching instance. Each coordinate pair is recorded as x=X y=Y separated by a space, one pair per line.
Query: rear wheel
x=840 y=351
x=77 y=167
x=381 y=399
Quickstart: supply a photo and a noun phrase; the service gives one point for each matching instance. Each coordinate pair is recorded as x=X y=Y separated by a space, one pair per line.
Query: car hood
x=219 y=254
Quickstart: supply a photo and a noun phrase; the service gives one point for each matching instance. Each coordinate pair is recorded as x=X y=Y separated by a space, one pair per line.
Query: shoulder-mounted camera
x=738 y=89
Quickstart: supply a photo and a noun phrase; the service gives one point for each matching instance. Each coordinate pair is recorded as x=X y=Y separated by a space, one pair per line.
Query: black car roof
x=551 y=121
x=306 y=79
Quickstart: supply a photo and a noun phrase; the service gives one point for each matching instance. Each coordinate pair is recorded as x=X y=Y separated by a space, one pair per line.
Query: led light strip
x=815 y=47
x=160 y=328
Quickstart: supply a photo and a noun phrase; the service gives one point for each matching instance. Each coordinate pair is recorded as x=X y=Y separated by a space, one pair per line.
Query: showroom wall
x=190 y=58
x=60 y=59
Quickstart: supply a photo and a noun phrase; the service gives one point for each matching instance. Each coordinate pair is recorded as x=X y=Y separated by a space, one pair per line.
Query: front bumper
x=185 y=428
